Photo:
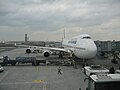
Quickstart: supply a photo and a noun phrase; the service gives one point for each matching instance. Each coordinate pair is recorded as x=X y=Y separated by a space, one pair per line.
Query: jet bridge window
x=86 y=37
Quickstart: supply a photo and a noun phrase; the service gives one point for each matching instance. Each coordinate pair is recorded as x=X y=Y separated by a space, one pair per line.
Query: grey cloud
x=52 y=15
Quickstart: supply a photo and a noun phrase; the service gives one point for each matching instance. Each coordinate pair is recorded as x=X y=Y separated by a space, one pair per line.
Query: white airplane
x=81 y=46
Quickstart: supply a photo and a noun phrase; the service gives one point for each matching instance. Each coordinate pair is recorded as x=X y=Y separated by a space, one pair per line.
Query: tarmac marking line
x=3 y=76
x=37 y=68
x=37 y=81
x=45 y=86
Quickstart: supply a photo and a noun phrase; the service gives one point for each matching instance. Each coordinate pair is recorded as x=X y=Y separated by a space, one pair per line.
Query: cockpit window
x=86 y=37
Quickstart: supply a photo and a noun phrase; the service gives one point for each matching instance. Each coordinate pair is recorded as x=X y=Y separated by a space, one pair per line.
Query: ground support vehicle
x=104 y=82
x=22 y=60
x=95 y=69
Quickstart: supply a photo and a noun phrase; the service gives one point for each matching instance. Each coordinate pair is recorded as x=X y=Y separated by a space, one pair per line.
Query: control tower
x=26 y=38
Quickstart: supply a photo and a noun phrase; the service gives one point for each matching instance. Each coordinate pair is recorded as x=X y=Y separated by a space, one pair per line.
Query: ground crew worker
x=59 y=70
x=119 y=67
x=112 y=70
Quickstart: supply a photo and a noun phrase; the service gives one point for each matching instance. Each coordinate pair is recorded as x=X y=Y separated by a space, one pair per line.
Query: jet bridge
x=104 y=48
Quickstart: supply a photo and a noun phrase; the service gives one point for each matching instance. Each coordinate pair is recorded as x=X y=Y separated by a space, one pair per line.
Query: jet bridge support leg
x=74 y=64
x=114 y=58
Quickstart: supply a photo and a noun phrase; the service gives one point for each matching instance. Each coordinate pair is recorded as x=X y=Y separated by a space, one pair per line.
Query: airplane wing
x=43 y=48
x=55 y=49
x=17 y=45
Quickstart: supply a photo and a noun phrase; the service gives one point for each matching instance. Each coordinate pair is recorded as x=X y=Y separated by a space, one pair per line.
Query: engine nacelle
x=46 y=53
x=28 y=50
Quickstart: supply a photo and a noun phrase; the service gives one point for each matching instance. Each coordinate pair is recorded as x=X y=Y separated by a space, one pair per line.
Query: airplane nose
x=88 y=50
x=92 y=51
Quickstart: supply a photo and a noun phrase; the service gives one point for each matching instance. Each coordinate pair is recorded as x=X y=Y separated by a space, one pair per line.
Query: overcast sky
x=47 y=19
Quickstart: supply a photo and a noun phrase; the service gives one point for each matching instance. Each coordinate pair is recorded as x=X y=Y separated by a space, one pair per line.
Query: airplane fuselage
x=82 y=46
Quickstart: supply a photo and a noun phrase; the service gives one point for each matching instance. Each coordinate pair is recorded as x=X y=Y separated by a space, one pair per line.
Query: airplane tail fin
x=64 y=34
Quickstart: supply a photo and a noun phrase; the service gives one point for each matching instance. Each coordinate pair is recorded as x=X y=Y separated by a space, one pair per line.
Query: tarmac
x=45 y=77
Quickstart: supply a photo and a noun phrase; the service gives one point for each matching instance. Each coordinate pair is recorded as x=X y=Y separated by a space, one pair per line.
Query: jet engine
x=46 y=53
x=28 y=50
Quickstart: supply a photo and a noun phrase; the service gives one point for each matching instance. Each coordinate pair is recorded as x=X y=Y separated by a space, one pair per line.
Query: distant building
x=36 y=43
x=58 y=44
x=26 y=38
